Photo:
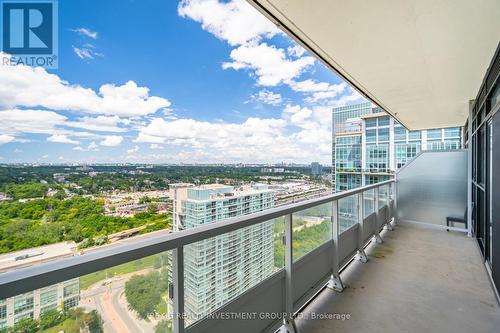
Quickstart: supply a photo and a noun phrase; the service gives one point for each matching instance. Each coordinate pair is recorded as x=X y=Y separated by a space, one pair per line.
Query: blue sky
x=197 y=81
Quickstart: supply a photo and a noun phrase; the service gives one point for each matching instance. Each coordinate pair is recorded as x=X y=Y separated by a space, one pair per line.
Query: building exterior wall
x=61 y=296
x=220 y=268
x=369 y=146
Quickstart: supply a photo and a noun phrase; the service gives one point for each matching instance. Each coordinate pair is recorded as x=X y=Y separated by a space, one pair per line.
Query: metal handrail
x=41 y=275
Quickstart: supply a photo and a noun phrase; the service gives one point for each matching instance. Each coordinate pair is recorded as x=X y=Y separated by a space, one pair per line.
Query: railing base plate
x=361 y=256
x=336 y=284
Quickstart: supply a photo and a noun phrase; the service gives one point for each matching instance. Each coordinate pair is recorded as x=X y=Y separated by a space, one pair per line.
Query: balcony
x=379 y=252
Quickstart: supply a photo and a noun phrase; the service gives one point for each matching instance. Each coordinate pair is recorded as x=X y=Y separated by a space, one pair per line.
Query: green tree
x=143 y=293
x=26 y=325
x=163 y=326
x=95 y=322
x=51 y=318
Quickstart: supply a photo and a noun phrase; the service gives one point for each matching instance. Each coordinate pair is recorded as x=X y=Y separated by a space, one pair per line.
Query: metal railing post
x=388 y=224
x=376 y=207
x=361 y=255
x=178 y=283
x=335 y=282
x=395 y=194
x=288 y=322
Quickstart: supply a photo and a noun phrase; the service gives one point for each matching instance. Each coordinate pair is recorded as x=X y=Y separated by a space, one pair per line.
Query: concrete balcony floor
x=421 y=279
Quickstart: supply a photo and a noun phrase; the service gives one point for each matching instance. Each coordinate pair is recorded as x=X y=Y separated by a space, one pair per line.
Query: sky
x=161 y=81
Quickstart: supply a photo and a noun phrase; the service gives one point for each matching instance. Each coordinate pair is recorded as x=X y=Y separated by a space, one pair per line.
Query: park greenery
x=97 y=179
x=45 y=221
x=53 y=321
x=144 y=293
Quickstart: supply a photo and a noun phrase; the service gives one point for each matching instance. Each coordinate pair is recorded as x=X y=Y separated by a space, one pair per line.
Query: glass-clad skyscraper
x=220 y=268
x=368 y=145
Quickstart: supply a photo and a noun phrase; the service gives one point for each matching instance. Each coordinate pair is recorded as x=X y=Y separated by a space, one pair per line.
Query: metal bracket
x=288 y=326
x=336 y=284
x=377 y=238
x=388 y=226
x=361 y=256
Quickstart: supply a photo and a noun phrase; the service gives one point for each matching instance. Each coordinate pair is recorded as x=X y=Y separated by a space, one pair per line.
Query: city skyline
x=253 y=96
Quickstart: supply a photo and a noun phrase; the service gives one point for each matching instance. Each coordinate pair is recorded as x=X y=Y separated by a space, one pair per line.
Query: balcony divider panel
x=311 y=270
x=266 y=297
x=348 y=244
x=370 y=226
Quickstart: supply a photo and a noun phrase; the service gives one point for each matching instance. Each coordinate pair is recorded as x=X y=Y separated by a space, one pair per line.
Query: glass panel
x=383 y=121
x=399 y=134
x=383 y=134
x=348 y=212
x=368 y=202
x=382 y=196
x=311 y=228
x=372 y=122
x=434 y=134
x=220 y=268
x=453 y=132
x=414 y=135
x=131 y=297
x=371 y=136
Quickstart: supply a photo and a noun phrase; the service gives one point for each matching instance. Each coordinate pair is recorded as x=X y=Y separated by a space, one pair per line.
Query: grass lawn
x=88 y=280
x=68 y=326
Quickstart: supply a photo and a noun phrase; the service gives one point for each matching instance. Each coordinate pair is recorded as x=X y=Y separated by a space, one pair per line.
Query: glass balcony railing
x=241 y=274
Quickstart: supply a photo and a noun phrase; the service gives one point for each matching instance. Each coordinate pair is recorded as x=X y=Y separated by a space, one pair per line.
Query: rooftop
x=28 y=257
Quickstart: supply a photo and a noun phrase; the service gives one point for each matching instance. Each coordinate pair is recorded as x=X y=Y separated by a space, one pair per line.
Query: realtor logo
x=29 y=32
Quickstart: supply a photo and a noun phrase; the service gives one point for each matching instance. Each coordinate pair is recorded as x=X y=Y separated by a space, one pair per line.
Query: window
x=371 y=136
x=383 y=134
x=452 y=132
x=383 y=121
x=23 y=302
x=414 y=135
x=434 y=134
x=399 y=134
x=377 y=158
x=71 y=289
x=47 y=297
x=71 y=303
x=3 y=311
x=372 y=122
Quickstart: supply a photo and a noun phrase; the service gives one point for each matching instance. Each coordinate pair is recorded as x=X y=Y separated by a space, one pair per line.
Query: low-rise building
x=61 y=296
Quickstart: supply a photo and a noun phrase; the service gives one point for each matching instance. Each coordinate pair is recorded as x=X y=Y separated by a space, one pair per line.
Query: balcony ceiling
x=420 y=60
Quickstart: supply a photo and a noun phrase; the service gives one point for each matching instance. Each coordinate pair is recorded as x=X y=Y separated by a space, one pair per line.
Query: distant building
x=222 y=267
x=61 y=296
x=272 y=170
x=368 y=145
x=316 y=169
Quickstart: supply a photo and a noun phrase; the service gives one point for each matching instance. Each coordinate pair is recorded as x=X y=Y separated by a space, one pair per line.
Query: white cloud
x=4 y=138
x=269 y=64
x=296 y=51
x=61 y=138
x=155 y=146
x=318 y=90
x=86 y=52
x=29 y=121
x=255 y=140
x=236 y=22
x=133 y=150
x=24 y=86
x=111 y=140
x=100 y=123
x=91 y=147
x=267 y=97
x=86 y=32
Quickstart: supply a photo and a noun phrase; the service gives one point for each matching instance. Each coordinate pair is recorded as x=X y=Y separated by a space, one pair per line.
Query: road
x=109 y=301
